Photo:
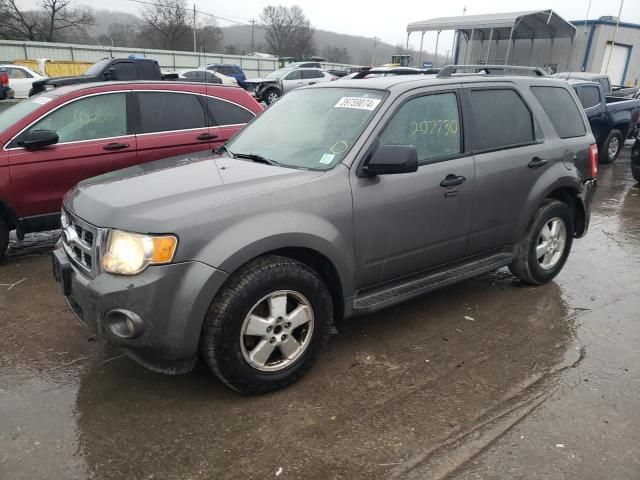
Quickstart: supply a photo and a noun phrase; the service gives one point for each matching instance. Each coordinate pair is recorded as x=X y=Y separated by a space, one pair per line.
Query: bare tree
x=289 y=33
x=166 y=23
x=50 y=22
x=336 y=54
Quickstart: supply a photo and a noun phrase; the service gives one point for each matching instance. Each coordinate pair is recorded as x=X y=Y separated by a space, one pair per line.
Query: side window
x=430 y=123
x=590 y=97
x=192 y=74
x=17 y=73
x=307 y=74
x=91 y=118
x=561 y=110
x=500 y=118
x=295 y=75
x=225 y=113
x=166 y=112
x=126 y=71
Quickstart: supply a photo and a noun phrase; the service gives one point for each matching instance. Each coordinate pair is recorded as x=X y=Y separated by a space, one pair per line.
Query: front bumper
x=171 y=301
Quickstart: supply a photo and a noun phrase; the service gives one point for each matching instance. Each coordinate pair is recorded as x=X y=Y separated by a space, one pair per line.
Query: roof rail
x=449 y=70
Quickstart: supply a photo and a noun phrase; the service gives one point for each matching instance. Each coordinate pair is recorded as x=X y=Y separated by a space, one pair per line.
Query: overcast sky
x=369 y=18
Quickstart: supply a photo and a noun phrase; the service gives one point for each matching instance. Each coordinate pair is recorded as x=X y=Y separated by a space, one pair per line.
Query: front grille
x=79 y=241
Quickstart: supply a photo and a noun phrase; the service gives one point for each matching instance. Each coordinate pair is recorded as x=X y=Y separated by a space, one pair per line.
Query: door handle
x=452 y=181
x=115 y=146
x=206 y=136
x=537 y=162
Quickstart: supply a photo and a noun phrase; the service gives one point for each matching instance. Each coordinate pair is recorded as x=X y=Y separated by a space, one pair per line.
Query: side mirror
x=38 y=139
x=111 y=74
x=391 y=159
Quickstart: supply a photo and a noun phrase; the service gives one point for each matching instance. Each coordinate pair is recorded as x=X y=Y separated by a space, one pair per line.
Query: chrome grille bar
x=79 y=240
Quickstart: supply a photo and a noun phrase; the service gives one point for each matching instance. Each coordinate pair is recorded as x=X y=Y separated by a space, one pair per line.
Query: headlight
x=130 y=253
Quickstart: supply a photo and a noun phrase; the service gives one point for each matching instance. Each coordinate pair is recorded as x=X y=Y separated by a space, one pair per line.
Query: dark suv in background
x=389 y=188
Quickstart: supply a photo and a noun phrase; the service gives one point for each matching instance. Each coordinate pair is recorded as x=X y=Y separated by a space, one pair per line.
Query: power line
x=143 y=2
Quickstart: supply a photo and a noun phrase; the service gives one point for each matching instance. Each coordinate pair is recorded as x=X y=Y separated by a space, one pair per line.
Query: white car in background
x=202 y=75
x=21 y=78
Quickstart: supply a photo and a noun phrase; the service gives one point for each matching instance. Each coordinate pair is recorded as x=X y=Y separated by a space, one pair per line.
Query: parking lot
x=486 y=379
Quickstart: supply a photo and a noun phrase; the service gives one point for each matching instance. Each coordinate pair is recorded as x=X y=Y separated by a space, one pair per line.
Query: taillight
x=4 y=79
x=593 y=160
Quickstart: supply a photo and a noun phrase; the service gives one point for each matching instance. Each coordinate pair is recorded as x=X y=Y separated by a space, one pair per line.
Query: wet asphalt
x=488 y=379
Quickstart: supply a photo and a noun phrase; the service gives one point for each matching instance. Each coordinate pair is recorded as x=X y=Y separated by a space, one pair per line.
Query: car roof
x=408 y=82
x=580 y=75
x=165 y=84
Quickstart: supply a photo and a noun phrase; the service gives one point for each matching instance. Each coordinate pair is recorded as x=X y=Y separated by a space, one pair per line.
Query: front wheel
x=546 y=244
x=268 y=325
x=612 y=146
x=271 y=96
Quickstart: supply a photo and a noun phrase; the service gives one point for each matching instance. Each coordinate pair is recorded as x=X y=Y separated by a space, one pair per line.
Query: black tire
x=526 y=265
x=221 y=344
x=610 y=157
x=4 y=238
x=271 y=96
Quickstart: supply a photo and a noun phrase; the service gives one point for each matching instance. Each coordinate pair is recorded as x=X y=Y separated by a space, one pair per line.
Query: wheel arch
x=9 y=216
x=570 y=196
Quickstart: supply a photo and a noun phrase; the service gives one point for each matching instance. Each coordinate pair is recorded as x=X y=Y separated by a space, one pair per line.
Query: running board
x=400 y=292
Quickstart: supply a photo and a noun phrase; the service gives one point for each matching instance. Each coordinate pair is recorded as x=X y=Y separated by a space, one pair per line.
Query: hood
x=155 y=197
x=255 y=81
x=62 y=81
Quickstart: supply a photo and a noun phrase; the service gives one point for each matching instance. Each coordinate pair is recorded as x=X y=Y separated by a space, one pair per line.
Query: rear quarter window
x=562 y=110
x=590 y=97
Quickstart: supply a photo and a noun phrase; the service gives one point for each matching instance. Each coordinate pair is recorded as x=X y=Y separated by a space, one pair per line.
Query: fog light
x=123 y=323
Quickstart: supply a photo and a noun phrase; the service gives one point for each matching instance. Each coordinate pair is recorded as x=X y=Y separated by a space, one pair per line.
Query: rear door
x=596 y=110
x=503 y=138
x=171 y=123
x=410 y=222
x=310 y=77
x=94 y=137
x=227 y=117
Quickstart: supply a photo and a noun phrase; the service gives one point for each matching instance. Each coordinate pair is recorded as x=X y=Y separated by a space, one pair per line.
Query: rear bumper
x=586 y=198
x=169 y=301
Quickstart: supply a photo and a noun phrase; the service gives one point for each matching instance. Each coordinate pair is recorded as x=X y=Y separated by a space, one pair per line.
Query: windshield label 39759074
x=358 y=102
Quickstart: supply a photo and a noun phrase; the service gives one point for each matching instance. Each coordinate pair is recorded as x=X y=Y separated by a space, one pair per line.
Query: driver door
x=291 y=81
x=407 y=223
x=94 y=138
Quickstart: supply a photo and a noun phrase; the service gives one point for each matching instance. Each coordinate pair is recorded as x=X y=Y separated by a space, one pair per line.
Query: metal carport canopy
x=526 y=25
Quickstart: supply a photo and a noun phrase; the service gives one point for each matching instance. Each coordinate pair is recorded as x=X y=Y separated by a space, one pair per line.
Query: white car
x=21 y=78
x=201 y=75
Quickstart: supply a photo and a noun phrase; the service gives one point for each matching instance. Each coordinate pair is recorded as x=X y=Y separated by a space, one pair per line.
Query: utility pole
x=253 y=26
x=195 y=50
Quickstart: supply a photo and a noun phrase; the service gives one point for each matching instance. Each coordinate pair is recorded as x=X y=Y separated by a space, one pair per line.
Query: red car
x=52 y=141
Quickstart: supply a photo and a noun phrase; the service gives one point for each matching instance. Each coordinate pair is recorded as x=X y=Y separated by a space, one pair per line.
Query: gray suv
x=341 y=199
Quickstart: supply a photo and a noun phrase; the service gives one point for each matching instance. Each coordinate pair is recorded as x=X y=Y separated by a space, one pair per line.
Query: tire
x=611 y=147
x=4 y=238
x=257 y=289
x=271 y=96
x=527 y=265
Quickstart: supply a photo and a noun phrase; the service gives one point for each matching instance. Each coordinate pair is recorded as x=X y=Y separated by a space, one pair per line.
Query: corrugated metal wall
x=602 y=35
x=168 y=60
x=560 y=52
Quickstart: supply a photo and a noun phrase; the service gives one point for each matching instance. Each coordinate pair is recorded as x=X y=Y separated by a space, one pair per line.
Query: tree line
x=162 y=24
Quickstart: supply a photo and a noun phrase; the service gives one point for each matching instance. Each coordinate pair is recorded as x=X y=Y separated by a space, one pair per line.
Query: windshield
x=96 y=68
x=279 y=73
x=312 y=129
x=20 y=110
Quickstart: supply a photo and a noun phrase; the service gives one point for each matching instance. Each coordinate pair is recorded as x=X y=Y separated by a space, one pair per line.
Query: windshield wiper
x=256 y=158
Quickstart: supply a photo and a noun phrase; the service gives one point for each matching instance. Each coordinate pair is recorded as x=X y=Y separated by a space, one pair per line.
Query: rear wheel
x=546 y=245
x=612 y=146
x=4 y=238
x=268 y=325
